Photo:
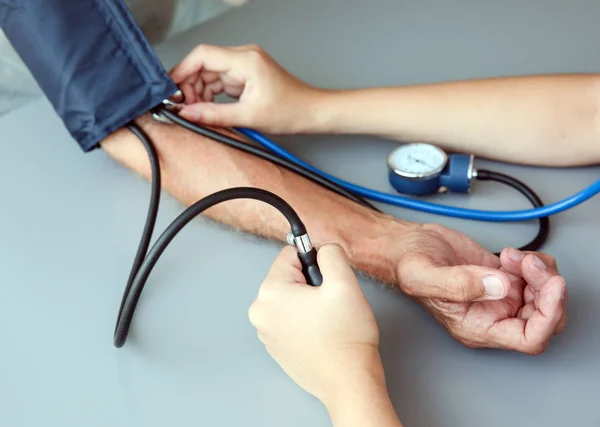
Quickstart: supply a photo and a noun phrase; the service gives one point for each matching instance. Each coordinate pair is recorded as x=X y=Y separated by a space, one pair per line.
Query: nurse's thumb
x=213 y=114
x=335 y=267
x=464 y=283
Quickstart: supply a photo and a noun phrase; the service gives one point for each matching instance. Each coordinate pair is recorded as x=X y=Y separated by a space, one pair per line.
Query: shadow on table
x=434 y=381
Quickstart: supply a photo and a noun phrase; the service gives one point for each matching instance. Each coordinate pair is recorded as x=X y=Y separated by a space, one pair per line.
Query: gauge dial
x=417 y=160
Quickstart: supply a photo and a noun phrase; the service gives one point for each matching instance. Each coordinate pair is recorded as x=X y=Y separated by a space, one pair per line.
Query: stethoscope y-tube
x=145 y=261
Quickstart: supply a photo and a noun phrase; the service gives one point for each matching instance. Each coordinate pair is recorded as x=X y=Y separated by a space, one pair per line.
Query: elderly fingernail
x=493 y=287
x=539 y=263
x=564 y=288
x=515 y=255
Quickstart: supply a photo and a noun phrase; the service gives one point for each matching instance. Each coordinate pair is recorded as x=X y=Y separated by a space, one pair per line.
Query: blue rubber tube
x=418 y=205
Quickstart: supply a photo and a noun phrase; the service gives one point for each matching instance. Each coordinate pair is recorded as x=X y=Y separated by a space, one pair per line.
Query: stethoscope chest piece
x=421 y=169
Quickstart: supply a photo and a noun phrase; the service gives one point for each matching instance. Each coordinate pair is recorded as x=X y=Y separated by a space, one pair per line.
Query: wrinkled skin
x=533 y=310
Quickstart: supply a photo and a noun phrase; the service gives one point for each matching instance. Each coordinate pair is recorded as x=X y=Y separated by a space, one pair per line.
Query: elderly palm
x=524 y=319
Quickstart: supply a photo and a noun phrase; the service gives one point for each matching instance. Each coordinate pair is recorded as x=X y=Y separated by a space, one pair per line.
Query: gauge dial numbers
x=417 y=161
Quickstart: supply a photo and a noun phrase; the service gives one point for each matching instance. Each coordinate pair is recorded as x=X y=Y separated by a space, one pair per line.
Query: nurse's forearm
x=193 y=167
x=363 y=402
x=544 y=120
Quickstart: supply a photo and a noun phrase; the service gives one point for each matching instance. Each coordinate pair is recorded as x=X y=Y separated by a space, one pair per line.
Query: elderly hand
x=515 y=302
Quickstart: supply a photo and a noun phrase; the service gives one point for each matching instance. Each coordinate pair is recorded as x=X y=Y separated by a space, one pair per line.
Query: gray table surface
x=70 y=223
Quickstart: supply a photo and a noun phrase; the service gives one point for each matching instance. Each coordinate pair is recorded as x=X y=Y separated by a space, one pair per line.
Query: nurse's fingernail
x=539 y=263
x=493 y=287
x=515 y=255
x=189 y=113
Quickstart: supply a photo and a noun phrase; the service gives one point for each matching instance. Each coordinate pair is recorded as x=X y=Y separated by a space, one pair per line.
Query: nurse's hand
x=514 y=302
x=325 y=338
x=269 y=98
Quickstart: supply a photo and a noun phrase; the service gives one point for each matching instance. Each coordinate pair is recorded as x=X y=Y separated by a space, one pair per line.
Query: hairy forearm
x=193 y=167
x=549 y=120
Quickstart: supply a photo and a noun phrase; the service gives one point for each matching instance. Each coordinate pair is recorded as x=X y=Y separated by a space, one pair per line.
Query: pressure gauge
x=421 y=169
x=417 y=161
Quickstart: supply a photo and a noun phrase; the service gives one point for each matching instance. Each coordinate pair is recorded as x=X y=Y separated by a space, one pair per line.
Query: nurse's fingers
x=217 y=114
x=188 y=88
x=211 y=90
x=215 y=59
x=209 y=76
x=285 y=269
x=206 y=85
x=335 y=267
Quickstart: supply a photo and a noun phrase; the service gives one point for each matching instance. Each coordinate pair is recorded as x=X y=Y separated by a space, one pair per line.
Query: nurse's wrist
x=362 y=399
x=333 y=111
x=322 y=109
x=358 y=379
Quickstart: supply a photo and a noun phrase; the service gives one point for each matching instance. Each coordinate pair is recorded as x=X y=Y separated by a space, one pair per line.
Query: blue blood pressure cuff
x=90 y=59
